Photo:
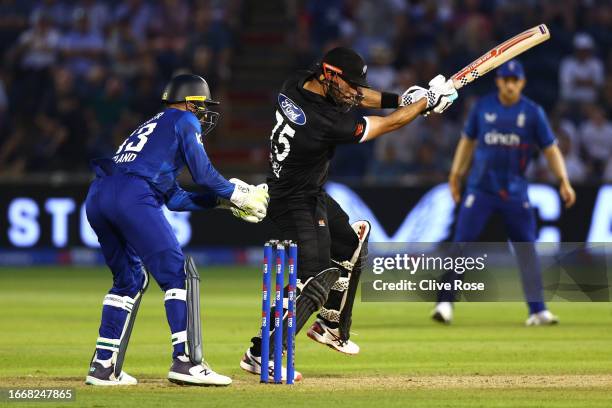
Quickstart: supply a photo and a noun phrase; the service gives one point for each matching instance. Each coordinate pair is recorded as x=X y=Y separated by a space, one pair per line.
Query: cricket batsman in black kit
x=313 y=115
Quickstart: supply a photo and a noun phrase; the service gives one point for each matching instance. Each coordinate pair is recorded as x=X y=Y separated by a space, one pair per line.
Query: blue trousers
x=128 y=219
x=519 y=220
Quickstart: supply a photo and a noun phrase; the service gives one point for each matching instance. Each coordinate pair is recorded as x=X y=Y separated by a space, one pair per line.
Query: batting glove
x=412 y=95
x=440 y=95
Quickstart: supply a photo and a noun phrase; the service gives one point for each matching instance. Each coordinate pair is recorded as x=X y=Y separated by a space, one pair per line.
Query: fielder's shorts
x=478 y=206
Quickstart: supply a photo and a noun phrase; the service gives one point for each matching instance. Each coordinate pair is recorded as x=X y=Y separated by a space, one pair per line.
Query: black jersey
x=308 y=127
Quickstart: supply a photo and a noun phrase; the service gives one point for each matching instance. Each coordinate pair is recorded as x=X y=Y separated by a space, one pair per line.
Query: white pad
x=104 y=343
x=176 y=294
x=122 y=302
x=330 y=315
x=341 y=284
x=179 y=337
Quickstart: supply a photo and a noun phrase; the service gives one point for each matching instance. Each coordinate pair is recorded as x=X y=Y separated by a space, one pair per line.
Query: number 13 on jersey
x=123 y=153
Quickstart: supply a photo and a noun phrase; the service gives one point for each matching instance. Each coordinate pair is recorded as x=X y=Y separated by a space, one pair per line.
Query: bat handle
x=457 y=83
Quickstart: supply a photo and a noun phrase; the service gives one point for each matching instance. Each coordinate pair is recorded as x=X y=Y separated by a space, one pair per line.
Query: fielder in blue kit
x=124 y=207
x=501 y=133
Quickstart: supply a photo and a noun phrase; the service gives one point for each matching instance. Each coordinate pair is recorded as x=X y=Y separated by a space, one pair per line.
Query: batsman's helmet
x=194 y=92
x=347 y=64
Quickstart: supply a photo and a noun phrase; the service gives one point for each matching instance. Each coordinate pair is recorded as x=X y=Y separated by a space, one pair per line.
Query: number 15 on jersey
x=280 y=143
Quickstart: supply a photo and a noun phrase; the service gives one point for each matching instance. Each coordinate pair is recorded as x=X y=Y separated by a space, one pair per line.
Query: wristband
x=389 y=100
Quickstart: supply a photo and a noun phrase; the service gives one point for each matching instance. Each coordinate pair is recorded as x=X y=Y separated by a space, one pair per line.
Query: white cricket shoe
x=101 y=375
x=543 y=318
x=321 y=333
x=184 y=372
x=443 y=313
x=252 y=364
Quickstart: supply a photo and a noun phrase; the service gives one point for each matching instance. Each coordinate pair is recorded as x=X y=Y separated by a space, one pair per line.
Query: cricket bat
x=500 y=54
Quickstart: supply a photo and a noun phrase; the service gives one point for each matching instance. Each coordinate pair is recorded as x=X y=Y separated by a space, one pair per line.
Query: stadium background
x=77 y=76
x=67 y=95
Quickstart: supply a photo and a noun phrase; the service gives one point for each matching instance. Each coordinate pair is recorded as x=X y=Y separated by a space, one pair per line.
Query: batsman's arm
x=556 y=163
x=374 y=99
x=460 y=166
x=379 y=125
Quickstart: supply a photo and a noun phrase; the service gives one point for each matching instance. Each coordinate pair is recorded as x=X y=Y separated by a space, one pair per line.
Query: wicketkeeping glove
x=224 y=204
x=253 y=200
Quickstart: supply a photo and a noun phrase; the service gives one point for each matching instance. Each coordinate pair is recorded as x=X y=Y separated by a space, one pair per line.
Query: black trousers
x=320 y=227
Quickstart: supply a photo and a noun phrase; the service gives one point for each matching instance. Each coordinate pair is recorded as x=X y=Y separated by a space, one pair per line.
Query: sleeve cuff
x=366 y=131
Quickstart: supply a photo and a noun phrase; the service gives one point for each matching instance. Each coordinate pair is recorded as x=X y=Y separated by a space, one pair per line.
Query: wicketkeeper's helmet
x=195 y=93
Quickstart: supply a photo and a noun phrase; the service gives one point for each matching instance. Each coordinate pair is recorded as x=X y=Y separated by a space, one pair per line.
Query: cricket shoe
x=321 y=333
x=105 y=376
x=184 y=372
x=252 y=364
x=543 y=318
x=443 y=313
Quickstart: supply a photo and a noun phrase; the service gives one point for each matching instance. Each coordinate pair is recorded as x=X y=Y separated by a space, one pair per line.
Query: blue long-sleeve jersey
x=158 y=150
x=507 y=137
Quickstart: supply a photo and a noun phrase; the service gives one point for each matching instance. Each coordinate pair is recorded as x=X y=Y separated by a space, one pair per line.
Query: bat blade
x=500 y=54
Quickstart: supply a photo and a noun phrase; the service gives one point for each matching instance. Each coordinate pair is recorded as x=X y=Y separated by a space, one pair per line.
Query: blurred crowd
x=78 y=75
x=410 y=41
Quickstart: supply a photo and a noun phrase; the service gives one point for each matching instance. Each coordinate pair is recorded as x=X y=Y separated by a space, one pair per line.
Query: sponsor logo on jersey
x=276 y=168
x=199 y=138
x=469 y=200
x=359 y=129
x=292 y=111
x=504 y=139
x=520 y=120
x=490 y=117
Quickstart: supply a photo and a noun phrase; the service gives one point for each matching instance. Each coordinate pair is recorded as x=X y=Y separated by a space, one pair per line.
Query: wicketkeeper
x=124 y=207
x=313 y=116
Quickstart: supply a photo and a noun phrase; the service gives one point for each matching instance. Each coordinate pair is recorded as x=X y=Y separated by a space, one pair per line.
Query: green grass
x=487 y=358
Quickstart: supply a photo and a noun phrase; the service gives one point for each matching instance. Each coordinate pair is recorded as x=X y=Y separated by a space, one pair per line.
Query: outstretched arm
x=414 y=101
x=556 y=163
x=379 y=125
x=202 y=171
x=461 y=164
x=252 y=200
x=178 y=199
x=374 y=99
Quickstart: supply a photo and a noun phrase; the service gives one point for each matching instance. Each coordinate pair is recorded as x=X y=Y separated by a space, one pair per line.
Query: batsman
x=124 y=207
x=314 y=114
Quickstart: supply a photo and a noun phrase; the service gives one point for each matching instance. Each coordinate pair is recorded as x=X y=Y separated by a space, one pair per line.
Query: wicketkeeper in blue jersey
x=499 y=138
x=124 y=207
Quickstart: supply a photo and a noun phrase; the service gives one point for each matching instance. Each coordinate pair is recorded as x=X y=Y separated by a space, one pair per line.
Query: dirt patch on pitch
x=464 y=381
x=364 y=383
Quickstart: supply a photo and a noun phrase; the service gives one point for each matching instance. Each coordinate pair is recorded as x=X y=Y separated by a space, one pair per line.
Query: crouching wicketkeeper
x=124 y=207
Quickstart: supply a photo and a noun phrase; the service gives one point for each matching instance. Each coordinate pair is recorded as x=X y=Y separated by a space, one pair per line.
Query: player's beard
x=344 y=101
